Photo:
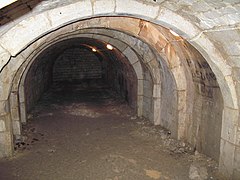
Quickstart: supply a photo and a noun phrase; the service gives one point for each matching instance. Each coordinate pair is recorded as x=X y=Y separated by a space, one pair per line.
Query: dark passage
x=73 y=64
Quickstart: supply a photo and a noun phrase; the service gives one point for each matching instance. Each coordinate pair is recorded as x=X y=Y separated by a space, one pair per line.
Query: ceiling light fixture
x=173 y=33
x=94 y=50
x=109 y=47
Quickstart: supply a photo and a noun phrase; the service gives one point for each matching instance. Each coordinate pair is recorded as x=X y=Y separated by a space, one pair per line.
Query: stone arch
x=62 y=16
x=154 y=75
x=128 y=52
x=159 y=15
x=157 y=89
x=157 y=76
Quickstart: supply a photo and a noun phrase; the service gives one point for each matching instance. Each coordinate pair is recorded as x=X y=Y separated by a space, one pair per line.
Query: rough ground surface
x=93 y=135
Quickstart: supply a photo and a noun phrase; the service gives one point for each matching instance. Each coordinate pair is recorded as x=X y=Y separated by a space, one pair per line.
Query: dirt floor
x=94 y=135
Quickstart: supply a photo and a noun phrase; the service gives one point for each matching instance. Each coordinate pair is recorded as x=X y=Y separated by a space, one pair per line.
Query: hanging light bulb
x=94 y=50
x=109 y=47
x=173 y=33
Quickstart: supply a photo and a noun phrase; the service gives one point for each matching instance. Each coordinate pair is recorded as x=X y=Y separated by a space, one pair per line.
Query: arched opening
x=80 y=63
x=194 y=78
x=174 y=82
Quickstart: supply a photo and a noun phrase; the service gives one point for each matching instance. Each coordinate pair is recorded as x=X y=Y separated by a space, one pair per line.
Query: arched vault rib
x=152 y=64
x=128 y=53
x=149 y=59
x=55 y=18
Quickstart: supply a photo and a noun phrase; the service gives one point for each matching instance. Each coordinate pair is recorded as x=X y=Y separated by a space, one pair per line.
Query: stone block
x=155 y=69
x=16 y=128
x=238 y=92
x=103 y=7
x=140 y=87
x=5 y=84
x=140 y=105
x=68 y=13
x=7 y=122
x=226 y=162
x=234 y=61
x=233 y=49
x=148 y=108
x=15 y=114
x=14 y=100
x=136 y=8
x=206 y=23
x=130 y=55
x=118 y=44
x=156 y=111
x=238 y=136
x=138 y=70
x=180 y=78
x=232 y=88
x=177 y=23
x=2 y=125
x=172 y=56
x=182 y=114
x=14 y=65
x=229 y=124
x=237 y=159
x=230 y=44
x=236 y=74
x=18 y=34
x=86 y=35
x=157 y=90
x=21 y=94
x=236 y=175
x=171 y=6
x=23 y=113
x=144 y=51
x=6 y=144
x=147 y=88
x=4 y=107
x=4 y=57
x=103 y=38
x=212 y=14
x=125 y=24
x=200 y=6
x=130 y=41
x=151 y=33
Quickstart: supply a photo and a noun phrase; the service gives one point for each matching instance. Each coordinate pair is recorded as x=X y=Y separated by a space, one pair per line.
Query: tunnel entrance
x=164 y=79
x=191 y=92
x=81 y=64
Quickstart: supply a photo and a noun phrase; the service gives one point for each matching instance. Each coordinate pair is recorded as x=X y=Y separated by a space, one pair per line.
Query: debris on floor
x=162 y=136
x=28 y=138
x=197 y=172
x=102 y=138
x=153 y=174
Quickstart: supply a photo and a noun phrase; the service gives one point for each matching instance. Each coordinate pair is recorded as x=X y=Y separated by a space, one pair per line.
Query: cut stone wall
x=77 y=64
x=122 y=78
x=38 y=80
x=169 y=100
x=148 y=107
x=207 y=106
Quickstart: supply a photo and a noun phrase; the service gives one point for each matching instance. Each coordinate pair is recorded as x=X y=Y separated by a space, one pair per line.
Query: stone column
x=6 y=139
x=229 y=163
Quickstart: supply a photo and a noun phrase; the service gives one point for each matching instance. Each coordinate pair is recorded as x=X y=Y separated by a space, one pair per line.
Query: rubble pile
x=29 y=137
x=147 y=130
